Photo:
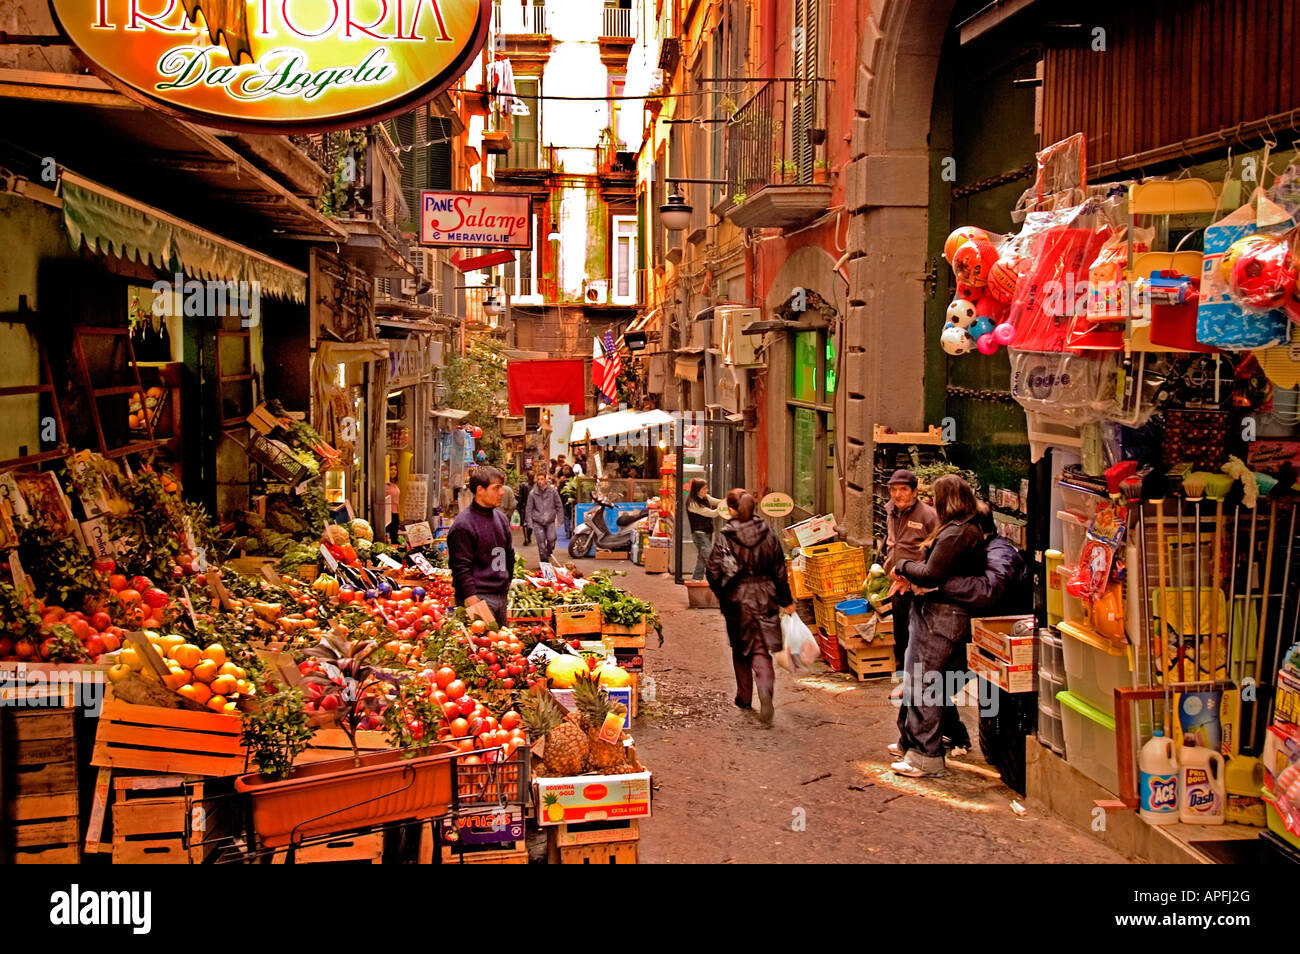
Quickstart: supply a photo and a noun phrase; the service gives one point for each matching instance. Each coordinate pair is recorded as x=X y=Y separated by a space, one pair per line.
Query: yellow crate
x=824 y=612
x=835 y=569
x=798 y=583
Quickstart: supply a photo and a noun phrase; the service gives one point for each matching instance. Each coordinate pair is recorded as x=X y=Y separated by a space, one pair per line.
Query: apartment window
x=803 y=108
x=524 y=140
x=616 y=88
x=623 y=253
x=717 y=129
x=521 y=274
x=812 y=421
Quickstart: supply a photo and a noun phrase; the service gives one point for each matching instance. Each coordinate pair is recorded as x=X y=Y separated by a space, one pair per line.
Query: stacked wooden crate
x=594 y=843
x=38 y=779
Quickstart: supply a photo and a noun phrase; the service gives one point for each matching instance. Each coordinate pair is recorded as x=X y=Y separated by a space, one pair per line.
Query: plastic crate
x=830 y=647
x=824 y=612
x=1002 y=732
x=798 y=583
x=499 y=782
x=835 y=569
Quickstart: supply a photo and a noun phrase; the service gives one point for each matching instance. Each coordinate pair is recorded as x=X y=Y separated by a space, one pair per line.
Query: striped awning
x=113 y=223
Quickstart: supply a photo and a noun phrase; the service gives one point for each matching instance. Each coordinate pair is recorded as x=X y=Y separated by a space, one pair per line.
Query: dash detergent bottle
x=1202 y=794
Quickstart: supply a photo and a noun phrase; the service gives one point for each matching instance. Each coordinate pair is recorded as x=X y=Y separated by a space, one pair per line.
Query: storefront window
x=804 y=387
x=805 y=447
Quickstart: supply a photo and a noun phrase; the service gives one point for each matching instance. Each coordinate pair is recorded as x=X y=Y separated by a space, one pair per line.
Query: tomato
x=467 y=745
x=117 y=581
x=95 y=645
x=471 y=760
x=141 y=583
x=455 y=689
x=507 y=683
x=47 y=647
x=25 y=648
x=438 y=695
x=347 y=595
x=81 y=629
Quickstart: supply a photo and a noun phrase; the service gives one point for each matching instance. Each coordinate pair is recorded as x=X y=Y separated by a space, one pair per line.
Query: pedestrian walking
x=937 y=627
x=543 y=514
x=525 y=488
x=746 y=569
x=480 y=551
x=701 y=511
x=910 y=521
x=508 y=503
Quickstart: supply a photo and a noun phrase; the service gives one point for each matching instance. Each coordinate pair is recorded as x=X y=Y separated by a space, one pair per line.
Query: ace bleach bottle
x=1159 y=780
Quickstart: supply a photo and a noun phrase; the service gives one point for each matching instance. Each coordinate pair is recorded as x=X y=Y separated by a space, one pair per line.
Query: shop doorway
x=710 y=447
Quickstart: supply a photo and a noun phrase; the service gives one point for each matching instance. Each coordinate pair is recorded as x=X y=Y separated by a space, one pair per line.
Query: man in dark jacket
x=543 y=513
x=910 y=521
x=480 y=551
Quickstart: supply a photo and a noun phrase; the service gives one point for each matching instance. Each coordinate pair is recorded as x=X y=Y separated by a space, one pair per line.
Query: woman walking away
x=938 y=627
x=701 y=509
x=746 y=569
x=525 y=487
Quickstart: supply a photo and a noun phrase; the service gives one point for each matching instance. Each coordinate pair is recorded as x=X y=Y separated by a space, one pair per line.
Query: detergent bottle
x=1202 y=795
x=1159 y=780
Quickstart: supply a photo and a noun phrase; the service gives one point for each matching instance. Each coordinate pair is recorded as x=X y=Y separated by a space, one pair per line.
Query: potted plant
x=364 y=790
x=821 y=172
x=277 y=732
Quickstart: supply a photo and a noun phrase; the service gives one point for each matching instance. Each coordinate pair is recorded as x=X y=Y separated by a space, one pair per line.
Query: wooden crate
x=599 y=853
x=511 y=853
x=39 y=781
x=870 y=662
x=613 y=629
x=577 y=620
x=368 y=847
x=597 y=833
x=612 y=555
x=155 y=821
x=173 y=741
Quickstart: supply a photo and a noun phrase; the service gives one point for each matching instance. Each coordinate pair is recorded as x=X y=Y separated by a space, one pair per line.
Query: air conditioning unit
x=426 y=270
x=738 y=349
x=596 y=292
x=656 y=83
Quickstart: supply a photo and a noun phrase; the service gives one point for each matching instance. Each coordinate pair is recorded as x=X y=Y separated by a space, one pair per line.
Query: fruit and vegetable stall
x=327 y=704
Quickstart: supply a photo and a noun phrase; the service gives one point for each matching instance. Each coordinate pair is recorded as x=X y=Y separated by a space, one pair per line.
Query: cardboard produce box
x=994 y=635
x=589 y=798
x=1013 y=679
x=623 y=694
x=657 y=559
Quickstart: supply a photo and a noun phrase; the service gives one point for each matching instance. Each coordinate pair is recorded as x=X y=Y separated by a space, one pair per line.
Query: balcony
x=518 y=20
x=774 y=181
x=616 y=37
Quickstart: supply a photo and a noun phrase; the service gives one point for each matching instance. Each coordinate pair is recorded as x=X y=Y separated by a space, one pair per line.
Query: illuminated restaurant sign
x=476 y=219
x=278 y=66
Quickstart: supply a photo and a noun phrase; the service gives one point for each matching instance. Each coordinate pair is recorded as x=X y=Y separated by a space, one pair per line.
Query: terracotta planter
x=339 y=795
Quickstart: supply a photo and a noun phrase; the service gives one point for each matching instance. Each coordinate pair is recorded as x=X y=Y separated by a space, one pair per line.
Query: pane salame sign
x=476 y=219
x=278 y=66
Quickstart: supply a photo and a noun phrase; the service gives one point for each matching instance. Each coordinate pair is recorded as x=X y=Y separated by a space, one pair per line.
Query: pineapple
x=595 y=706
x=565 y=752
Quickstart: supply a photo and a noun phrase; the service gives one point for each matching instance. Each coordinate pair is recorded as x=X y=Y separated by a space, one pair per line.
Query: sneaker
x=914 y=765
x=956 y=748
x=896 y=750
x=765 y=711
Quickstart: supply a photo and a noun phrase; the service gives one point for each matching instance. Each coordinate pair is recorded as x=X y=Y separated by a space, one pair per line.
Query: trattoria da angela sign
x=278 y=65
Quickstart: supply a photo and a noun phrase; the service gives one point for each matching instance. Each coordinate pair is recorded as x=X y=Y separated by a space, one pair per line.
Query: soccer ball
x=956 y=340
x=961 y=313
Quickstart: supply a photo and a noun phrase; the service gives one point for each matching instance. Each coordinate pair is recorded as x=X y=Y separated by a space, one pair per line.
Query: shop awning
x=450 y=413
x=110 y=222
x=616 y=424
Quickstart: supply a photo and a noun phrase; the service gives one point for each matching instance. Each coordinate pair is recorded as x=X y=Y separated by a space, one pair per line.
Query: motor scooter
x=595 y=529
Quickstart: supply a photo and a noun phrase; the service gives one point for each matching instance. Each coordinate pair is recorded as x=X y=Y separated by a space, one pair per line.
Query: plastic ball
x=973 y=261
x=1004 y=333
x=986 y=343
x=478 y=432
x=968 y=292
x=983 y=326
x=961 y=313
x=960 y=236
x=1262 y=273
x=956 y=340
x=1004 y=276
x=480 y=456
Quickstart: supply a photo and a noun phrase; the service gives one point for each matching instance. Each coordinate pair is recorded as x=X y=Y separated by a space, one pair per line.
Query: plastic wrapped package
x=1067 y=388
x=1221 y=318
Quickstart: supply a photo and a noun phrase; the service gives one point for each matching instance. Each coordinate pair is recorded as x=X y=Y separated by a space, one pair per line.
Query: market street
x=728 y=791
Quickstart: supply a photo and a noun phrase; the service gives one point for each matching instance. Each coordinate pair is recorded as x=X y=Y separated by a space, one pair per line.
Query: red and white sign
x=476 y=220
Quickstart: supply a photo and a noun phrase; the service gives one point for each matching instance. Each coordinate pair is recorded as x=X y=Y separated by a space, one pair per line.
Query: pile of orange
x=204 y=676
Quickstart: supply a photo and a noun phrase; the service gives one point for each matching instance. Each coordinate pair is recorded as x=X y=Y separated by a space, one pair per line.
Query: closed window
x=623 y=253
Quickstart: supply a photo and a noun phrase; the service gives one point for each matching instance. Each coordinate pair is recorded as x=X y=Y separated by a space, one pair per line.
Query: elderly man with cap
x=911 y=521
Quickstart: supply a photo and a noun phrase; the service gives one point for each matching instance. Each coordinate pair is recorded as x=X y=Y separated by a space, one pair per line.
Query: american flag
x=605 y=367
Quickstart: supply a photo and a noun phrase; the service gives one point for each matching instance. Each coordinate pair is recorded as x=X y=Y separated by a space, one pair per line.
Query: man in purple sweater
x=480 y=551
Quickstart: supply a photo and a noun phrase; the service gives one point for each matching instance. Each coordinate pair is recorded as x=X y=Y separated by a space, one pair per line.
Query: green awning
x=116 y=224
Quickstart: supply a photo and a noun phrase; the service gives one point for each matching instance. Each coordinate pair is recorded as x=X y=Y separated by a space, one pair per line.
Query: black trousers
x=902 y=610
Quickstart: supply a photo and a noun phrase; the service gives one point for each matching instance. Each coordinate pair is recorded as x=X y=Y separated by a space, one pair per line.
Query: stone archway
x=887 y=191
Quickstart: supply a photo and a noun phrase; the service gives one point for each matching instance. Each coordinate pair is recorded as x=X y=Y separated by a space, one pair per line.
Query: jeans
x=545 y=541
x=902 y=609
x=703 y=547
x=924 y=716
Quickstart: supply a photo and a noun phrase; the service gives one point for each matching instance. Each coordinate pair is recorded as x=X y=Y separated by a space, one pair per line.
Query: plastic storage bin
x=1073 y=531
x=1094 y=667
x=1051 y=655
x=1089 y=740
x=1051 y=730
x=1080 y=501
x=1048 y=687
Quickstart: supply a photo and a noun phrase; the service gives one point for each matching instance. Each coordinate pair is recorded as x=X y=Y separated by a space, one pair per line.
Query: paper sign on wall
x=415 y=499
x=419 y=534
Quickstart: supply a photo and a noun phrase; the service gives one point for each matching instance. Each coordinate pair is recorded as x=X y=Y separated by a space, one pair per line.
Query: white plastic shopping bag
x=800 y=648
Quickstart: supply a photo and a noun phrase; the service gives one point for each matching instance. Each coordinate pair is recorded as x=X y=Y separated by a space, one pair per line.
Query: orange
x=229 y=669
x=176 y=678
x=223 y=685
x=230 y=708
x=201 y=693
x=189 y=692
x=217 y=653
x=116 y=582
x=186 y=655
x=217 y=703
x=243 y=686
x=205 y=671
x=129 y=595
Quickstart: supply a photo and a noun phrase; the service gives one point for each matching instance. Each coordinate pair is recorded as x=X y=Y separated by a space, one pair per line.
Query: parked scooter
x=595 y=529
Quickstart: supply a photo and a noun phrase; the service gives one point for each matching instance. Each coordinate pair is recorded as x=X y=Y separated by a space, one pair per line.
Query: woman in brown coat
x=746 y=569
